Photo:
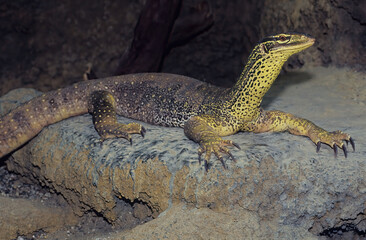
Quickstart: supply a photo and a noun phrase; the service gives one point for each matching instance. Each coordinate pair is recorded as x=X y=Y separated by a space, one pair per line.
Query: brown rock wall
x=338 y=26
x=23 y=216
x=44 y=52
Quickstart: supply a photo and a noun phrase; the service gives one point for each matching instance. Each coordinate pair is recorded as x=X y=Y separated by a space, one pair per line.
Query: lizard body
x=157 y=98
x=205 y=112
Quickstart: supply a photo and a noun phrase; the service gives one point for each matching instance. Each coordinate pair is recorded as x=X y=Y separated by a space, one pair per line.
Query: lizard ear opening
x=264 y=48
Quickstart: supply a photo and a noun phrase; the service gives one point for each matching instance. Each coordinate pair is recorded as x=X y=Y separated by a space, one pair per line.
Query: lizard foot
x=334 y=140
x=120 y=130
x=215 y=146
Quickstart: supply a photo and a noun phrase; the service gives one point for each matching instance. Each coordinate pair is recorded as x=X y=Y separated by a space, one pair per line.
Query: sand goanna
x=205 y=112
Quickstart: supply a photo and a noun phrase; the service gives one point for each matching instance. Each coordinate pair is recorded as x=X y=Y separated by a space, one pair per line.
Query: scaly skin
x=205 y=112
x=240 y=110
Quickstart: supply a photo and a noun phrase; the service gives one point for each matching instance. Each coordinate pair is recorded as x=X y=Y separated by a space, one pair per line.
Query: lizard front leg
x=198 y=129
x=102 y=107
x=277 y=121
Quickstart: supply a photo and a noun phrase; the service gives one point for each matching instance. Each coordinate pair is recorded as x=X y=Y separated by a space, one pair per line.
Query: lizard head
x=285 y=44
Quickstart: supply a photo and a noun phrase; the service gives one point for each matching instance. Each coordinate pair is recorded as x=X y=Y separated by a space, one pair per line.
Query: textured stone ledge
x=278 y=177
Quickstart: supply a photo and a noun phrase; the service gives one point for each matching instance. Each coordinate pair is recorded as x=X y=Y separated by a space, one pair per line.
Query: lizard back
x=157 y=98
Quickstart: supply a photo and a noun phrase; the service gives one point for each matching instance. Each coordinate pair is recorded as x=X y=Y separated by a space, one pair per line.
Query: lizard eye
x=282 y=38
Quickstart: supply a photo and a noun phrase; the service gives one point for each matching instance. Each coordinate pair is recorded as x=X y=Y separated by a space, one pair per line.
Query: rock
x=279 y=182
x=29 y=58
x=15 y=98
x=20 y=217
x=181 y=222
x=328 y=21
x=141 y=211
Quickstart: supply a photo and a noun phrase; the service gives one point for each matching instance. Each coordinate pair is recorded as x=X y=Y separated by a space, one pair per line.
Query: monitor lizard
x=206 y=112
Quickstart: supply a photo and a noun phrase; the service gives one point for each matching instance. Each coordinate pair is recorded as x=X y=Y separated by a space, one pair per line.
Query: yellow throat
x=263 y=66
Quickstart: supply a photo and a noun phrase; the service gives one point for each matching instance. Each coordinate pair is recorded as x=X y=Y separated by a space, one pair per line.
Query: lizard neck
x=257 y=77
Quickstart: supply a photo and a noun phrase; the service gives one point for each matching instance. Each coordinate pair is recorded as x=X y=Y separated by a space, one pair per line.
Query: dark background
x=47 y=44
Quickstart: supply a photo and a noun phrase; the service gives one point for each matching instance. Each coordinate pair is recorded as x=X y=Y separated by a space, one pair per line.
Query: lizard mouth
x=302 y=43
x=305 y=44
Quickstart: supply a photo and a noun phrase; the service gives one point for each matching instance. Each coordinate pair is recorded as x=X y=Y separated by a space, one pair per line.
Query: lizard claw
x=335 y=140
x=133 y=128
x=236 y=145
x=216 y=146
x=222 y=162
x=142 y=132
x=352 y=143
x=206 y=166
x=231 y=156
x=335 y=150
x=344 y=150
x=318 y=146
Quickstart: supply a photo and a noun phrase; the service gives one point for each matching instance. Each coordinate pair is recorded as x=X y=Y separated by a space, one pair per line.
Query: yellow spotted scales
x=205 y=112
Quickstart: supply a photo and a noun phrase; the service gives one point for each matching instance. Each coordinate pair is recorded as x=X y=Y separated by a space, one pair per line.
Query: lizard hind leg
x=102 y=107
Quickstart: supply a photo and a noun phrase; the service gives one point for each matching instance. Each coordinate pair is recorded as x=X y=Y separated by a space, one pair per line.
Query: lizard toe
x=335 y=140
x=344 y=150
x=227 y=151
x=142 y=132
x=352 y=143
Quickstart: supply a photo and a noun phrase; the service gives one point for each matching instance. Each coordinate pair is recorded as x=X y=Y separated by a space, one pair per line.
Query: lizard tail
x=26 y=121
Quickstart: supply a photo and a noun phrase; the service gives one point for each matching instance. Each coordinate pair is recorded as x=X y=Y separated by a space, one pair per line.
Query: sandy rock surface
x=278 y=183
x=181 y=222
x=23 y=216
